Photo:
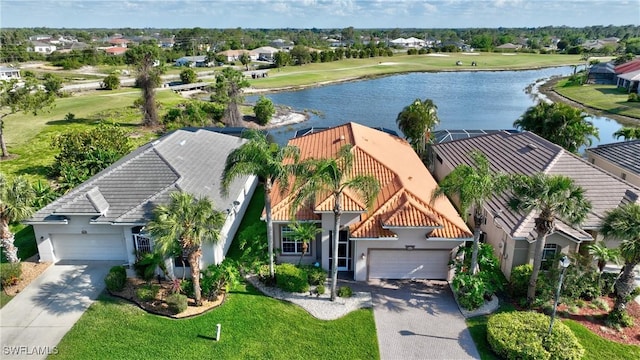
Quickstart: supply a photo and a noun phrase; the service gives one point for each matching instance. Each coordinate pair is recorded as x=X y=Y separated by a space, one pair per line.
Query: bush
x=177 y=303
x=219 y=278
x=523 y=335
x=291 y=278
x=147 y=293
x=519 y=282
x=633 y=97
x=619 y=318
x=187 y=288
x=111 y=82
x=10 y=273
x=264 y=110
x=316 y=275
x=188 y=76
x=320 y=289
x=146 y=265
x=116 y=279
x=345 y=292
x=470 y=290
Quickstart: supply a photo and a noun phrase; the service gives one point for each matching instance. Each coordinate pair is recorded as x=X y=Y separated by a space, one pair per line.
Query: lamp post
x=564 y=262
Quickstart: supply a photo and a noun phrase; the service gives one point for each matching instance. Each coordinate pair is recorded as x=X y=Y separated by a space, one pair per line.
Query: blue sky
x=316 y=13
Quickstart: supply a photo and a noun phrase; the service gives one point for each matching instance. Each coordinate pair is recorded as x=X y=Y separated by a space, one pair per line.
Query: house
x=509 y=47
x=43 y=47
x=104 y=218
x=9 y=73
x=191 y=61
x=115 y=50
x=404 y=236
x=282 y=44
x=119 y=42
x=512 y=233
x=408 y=43
x=620 y=159
x=602 y=73
x=234 y=55
x=630 y=81
x=263 y=53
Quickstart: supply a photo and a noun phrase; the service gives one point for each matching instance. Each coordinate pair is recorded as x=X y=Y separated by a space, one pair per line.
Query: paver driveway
x=33 y=322
x=419 y=320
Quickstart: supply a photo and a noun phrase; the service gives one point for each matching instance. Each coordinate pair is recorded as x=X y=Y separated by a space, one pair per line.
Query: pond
x=465 y=100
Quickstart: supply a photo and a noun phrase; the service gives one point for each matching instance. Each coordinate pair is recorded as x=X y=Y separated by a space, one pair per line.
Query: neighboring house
x=192 y=61
x=264 y=53
x=43 y=47
x=621 y=159
x=512 y=233
x=116 y=50
x=282 y=44
x=509 y=47
x=628 y=75
x=104 y=218
x=234 y=55
x=9 y=73
x=404 y=236
x=602 y=73
x=119 y=42
x=408 y=43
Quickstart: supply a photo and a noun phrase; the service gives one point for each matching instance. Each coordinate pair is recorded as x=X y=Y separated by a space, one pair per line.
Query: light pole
x=564 y=262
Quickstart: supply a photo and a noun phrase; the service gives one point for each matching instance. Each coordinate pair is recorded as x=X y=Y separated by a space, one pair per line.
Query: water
x=465 y=100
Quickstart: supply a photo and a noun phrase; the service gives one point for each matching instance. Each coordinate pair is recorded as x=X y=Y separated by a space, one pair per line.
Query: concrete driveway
x=419 y=320
x=34 y=322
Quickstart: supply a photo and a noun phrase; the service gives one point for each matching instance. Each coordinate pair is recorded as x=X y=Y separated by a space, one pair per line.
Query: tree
x=282 y=59
x=52 y=83
x=143 y=58
x=269 y=162
x=559 y=123
x=16 y=199
x=416 y=122
x=473 y=186
x=603 y=255
x=551 y=197
x=334 y=176
x=300 y=54
x=628 y=133
x=304 y=232
x=623 y=223
x=188 y=76
x=14 y=98
x=110 y=82
x=229 y=85
x=245 y=59
x=186 y=222
x=264 y=110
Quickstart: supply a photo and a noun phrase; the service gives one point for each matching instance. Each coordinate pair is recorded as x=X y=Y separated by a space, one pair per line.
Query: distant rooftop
x=625 y=154
x=442 y=136
x=311 y=130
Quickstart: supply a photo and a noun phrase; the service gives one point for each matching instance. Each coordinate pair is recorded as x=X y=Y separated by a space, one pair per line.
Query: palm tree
x=551 y=196
x=472 y=186
x=603 y=255
x=270 y=163
x=188 y=223
x=304 y=232
x=627 y=133
x=143 y=58
x=416 y=122
x=334 y=176
x=623 y=223
x=16 y=199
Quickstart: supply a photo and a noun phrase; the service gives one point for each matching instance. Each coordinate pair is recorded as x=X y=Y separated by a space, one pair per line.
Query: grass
x=4 y=299
x=253 y=327
x=607 y=98
x=596 y=348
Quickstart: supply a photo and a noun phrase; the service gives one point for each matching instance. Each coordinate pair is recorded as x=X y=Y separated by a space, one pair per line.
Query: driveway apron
x=34 y=322
x=420 y=320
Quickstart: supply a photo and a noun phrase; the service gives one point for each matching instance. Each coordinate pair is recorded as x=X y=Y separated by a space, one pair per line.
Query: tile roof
x=188 y=159
x=625 y=154
x=629 y=66
x=527 y=153
x=406 y=185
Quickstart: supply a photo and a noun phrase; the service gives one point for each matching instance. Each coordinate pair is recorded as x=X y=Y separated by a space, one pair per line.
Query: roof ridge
x=441 y=214
x=553 y=161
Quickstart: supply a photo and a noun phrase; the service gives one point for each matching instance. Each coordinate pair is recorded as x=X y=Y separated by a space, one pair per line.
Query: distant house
x=43 y=47
x=509 y=47
x=602 y=73
x=282 y=44
x=120 y=42
x=620 y=159
x=115 y=50
x=234 y=55
x=264 y=53
x=408 y=43
x=628 y=75
x=9 y=73
x=192 y=61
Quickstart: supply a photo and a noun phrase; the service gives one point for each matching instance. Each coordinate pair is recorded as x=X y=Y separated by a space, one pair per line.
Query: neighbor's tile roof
x=527 y=153
x=406 y=185
x=629 y=66
x=625 y=154
x=190 y=160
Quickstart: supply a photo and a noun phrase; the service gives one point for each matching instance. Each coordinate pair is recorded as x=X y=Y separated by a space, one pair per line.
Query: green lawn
x=253 y=327
x=607 y=98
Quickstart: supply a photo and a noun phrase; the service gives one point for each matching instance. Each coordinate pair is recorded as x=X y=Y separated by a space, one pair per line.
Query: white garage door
x=89 y=247
x=408 y=264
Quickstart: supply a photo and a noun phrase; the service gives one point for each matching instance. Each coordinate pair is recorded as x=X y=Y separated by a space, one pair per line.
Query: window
x=290 y=246
x=549 y=255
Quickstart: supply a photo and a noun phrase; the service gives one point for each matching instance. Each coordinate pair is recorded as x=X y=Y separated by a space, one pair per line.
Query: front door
x=344 y=251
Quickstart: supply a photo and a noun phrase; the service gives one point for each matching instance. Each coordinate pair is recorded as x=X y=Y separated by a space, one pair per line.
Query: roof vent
x=532 y=146
x=183 y=142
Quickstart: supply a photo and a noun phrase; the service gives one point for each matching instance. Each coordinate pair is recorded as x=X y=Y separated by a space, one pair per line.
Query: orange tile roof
x=406 y=185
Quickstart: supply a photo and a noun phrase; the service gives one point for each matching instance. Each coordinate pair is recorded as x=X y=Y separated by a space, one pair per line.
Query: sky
x=322 y=14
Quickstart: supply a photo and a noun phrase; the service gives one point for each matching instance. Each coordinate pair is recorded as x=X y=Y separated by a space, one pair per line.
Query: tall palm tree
x=16 y=199
x=304 y=232
x=416 y=121
x=472 y=186
x=270 y=163
x=627 y=133
x=551 y=196
x=623 y=223
x=187 y=222
x=334 y=176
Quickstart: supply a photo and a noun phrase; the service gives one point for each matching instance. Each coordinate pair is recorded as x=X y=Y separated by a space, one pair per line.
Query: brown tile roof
x=406 y=185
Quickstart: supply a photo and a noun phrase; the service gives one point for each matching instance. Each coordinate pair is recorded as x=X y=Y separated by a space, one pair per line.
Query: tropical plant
x=317 y=177
x=623 y=223
x=228 y=91
x=264 y=110
x=559 y=123
x=304 y=232
x=44 y=194
x=269 y=162
x=143 y=57
x=16 y=200
x=550 y=196
x=628 y=133
x=245 y=59
x=603 y=255
x=188 y=223
x=472 y=186
x=25 y=97
x=188 y=76
x=416 y=121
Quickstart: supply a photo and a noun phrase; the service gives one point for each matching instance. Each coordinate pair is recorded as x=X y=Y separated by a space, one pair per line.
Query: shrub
x=291 y=278
x=633 y=97
x=10 y=273
x=320 y=289
x=177 y=303
x=264 y=110
x=600 y=304
x=607 y=281
x=316 y=275
x=470 y=290
x=148 y=292
x=187 y=288
x=618 y=318
x=188 y=76
x=519 y=282
x=116 y=279
x=146 y=265
x=111 y=82
x=345 y=292
x=523 y=335
x=218 y=278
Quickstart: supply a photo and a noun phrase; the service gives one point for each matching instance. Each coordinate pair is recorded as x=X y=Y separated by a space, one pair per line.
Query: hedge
x=291 y=278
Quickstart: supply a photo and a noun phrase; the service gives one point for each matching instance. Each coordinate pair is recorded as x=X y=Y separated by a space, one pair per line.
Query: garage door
x=408 y=264
x=89 y=247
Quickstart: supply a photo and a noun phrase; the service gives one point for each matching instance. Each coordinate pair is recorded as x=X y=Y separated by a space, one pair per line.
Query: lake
x=465 y=100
